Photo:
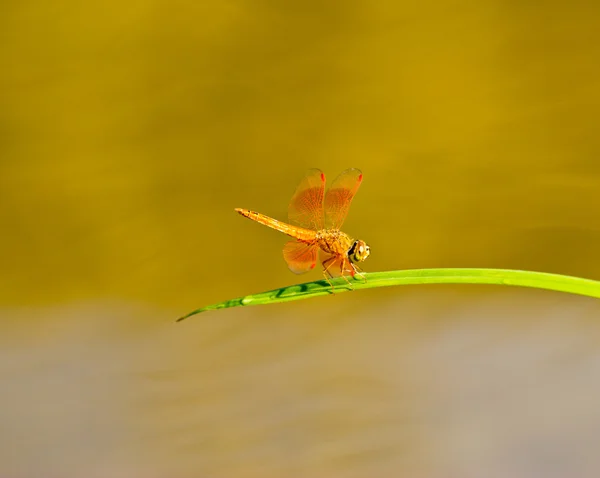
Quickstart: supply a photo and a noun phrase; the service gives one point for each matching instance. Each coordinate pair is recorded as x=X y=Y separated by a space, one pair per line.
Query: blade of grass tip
x=283 y=294
x=538 y=280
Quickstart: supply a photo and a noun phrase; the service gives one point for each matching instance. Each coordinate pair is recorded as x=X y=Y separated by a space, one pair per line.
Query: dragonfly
x=315 y=218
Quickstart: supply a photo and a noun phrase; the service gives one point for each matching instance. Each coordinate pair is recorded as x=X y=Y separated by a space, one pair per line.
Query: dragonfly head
x=359 y=251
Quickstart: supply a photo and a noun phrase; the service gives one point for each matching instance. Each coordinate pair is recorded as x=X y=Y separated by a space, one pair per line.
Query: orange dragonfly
x=315 y=220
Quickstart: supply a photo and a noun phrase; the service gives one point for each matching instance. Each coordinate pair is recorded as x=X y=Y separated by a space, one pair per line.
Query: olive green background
x=130 y=131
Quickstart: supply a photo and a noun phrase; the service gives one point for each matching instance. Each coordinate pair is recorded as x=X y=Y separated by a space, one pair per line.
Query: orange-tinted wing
x=339 y=197
x=300 y=257
x=306 y=207
x=335 y=265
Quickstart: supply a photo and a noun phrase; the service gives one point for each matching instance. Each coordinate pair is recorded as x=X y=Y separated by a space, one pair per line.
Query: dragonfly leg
x=326 y=272
x=327 y=279
x=358 y=271
x=343 y=269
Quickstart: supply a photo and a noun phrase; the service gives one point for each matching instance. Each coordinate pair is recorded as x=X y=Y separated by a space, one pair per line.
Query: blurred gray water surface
x=503 y=386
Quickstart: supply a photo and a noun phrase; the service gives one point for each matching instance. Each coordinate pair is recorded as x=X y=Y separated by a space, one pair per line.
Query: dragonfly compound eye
x=359 y=251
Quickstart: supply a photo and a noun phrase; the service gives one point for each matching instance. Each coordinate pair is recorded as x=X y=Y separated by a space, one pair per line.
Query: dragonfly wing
x=300 y=256
x=339 y=197
x=306 y=207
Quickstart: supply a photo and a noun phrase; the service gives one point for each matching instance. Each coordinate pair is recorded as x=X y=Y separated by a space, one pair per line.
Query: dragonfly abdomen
x=304 y=235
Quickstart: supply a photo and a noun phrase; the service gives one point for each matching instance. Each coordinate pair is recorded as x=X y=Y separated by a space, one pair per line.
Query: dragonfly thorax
x=334 y=241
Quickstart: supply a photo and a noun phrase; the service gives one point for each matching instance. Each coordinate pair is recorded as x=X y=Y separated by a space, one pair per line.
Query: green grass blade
x=538 y=280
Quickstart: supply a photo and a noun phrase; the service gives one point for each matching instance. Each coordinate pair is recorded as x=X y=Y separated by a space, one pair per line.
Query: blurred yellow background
x=130 y=131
